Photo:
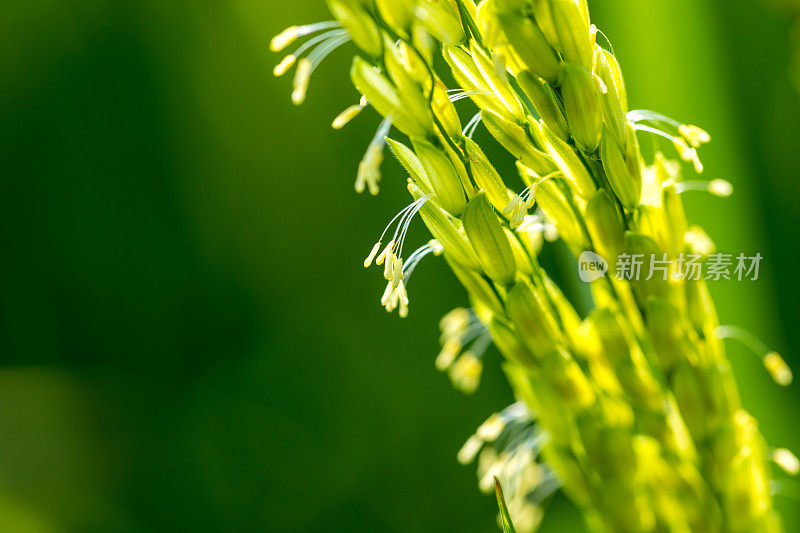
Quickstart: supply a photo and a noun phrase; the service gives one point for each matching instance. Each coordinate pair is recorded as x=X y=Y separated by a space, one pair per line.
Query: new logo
x=591 y=267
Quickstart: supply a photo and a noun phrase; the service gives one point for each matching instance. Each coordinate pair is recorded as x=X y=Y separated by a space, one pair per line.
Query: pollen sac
x=489 y=241
x=787 y=461
x=695 y=135
x=344 y=118
x=572 y=28
x=359 y=24
x=465 y=373
x=582 y=106
x=778 y=369
x=442 y=176
x=698 y=241
x=530 y=45
x=545 y=102
x=626 y=186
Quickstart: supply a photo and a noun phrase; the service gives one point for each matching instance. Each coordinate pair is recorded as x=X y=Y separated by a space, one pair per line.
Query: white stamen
x=405 y=222
x=534 y=223
x=539 y=224
x=301 y=80
x=472 y=125
x=721 y=188
x=462 y=94
x=344 y=118
x=717 y=187
x=309 y=44
x=388 y=266
x=512 y=205
x=638 y=115
x=371 y=257
x=687 y=154
x=772 y=361
x=292 y=33
x=325 y=49
x=600 y=84
x=456 y=321
x=699 y=241
x=519 y=204
x=307 y=65
x=470 y=449
x=491 y=429
x=284 y=66
x=395 y=270
x=785 y=459
x=403 y=296
x=386 y=252
x=656 y=131
x=433 y=247
x=284 y=39
x=695 y=135
x=369 y=169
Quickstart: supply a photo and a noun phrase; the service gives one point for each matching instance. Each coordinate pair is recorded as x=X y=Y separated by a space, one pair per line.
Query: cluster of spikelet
x=638 y=414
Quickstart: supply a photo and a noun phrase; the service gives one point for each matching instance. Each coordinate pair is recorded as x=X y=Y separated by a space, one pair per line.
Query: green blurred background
x=188 y=340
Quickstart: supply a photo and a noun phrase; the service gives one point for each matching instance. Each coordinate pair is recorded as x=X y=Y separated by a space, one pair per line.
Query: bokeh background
x=187 y=339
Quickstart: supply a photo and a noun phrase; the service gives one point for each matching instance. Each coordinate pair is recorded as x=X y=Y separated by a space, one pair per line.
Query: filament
x=717 y=187
x=772 y=361
x=472 y=125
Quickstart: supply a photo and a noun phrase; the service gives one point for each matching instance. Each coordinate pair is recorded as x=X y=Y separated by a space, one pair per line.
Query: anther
x=772 y=361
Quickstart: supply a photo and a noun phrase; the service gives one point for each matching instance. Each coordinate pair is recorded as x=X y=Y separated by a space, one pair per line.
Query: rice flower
x=638 y=415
